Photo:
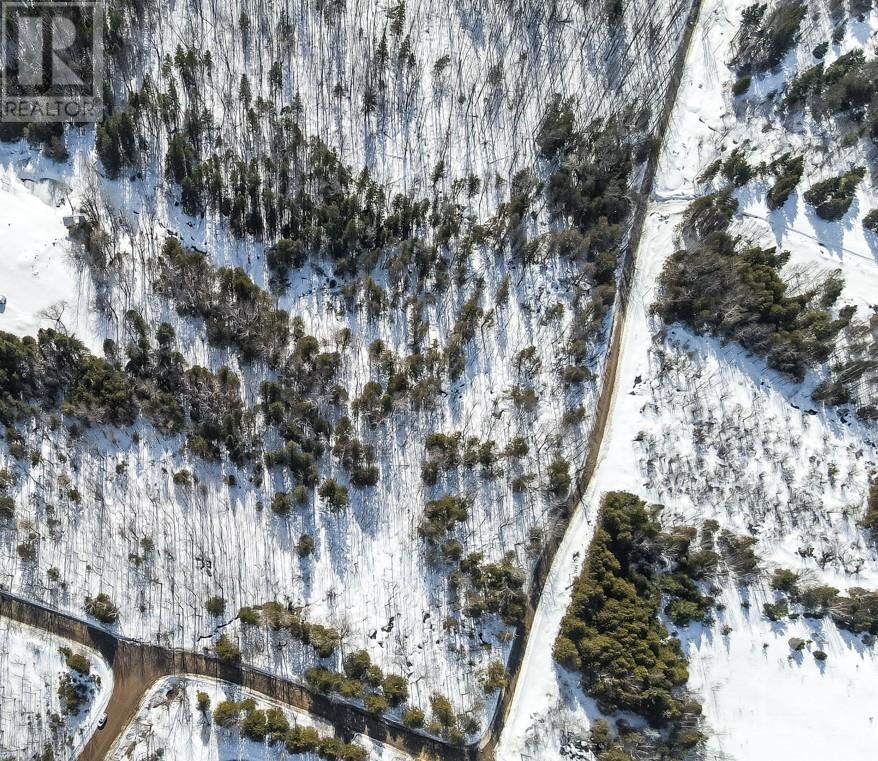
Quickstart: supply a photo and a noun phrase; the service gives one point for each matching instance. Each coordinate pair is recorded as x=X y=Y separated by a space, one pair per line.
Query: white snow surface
x=709 y=432
x=37 y=275
x=31 y=666
x=369 y=576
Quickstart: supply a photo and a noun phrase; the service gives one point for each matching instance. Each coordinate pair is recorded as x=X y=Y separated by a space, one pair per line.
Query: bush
x=559 y=477
x=413 y=717
x=228 y=651
x=301 y=740
x=73 y=694
x=215 y=606
x=736 y=169
x=203 y=701
x=102 y=608
x=324 y=639
x=356 y=664
x=249 y=616
x=443 y=710
x=441 y=515
x=870 y=221
x=305 y=546
x=255 y=725
x=567 y=654
x=76 y=661
x=789 y=170
x=376 y=704
x=776 y=611
x=784 y=580
x=227 y=714
x=495 y=677
x=832 y=198
x=870 y=519
x=334 y=493
x=281 y=503
x=557 y=134
x=844 y=87
x=395 y=689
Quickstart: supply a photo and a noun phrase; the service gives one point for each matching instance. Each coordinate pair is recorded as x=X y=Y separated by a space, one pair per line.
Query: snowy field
x=31 y=711
x=369 y=575
x=711 y=433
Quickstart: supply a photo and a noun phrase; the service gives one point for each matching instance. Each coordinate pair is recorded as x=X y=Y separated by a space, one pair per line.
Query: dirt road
x=137 y=666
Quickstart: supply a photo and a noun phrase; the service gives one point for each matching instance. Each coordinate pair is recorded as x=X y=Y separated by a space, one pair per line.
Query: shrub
x=334 y=493
x=227 y=714
x=276 y=724
x=376 y=704
x=764 y=39
x=249 y=616
x=281 y=503
x=870 y=519
x=442 y=710
x=566 y=653
x=102 y=608
x=775 y=611
x=215 y=606
x=301 y=740
x=846 y=86
x=324 y=639
x=322 y=679
x=557 y=134
x=305 y=546
x=784 y=580
x=413 y=717
x=736 y=169
x=559 y=477
x=227 y=650
x=495 y=677
x=356 y=664
x=788 y=169
x=441 y=515
x=395 y=689
x=710 y=214
x=203 y=701
x=73 y=694
x=76 y=661
x=832 y=198
x=870 y=221
x=820 y=655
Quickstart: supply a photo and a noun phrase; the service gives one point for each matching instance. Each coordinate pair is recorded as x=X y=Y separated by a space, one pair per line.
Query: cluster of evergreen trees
x=611 y=633
x=722 y=287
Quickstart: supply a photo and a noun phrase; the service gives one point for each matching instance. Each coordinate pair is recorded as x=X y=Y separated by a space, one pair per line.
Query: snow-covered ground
x=711 y=433
x=369 y=575
x=37 y=276
x=169 y=720
x=31 y=714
